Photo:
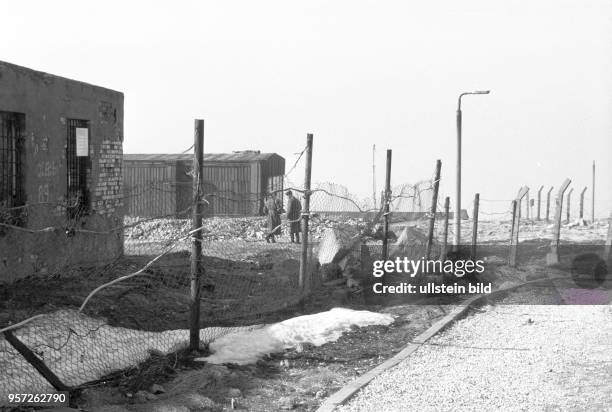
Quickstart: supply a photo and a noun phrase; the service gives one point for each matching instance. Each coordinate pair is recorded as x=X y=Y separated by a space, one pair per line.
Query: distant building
x=234 y=183
x=60 y=170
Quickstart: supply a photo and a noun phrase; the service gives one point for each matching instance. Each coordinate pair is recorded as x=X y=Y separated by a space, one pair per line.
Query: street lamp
x=458 y=188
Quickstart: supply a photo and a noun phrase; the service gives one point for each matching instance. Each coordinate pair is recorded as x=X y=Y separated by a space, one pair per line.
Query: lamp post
x=458 y=187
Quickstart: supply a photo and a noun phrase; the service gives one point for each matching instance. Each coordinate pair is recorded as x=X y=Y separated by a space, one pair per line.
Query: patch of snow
x=246 y=347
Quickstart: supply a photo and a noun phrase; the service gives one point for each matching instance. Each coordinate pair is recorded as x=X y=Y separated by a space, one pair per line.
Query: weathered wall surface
x=48 y=102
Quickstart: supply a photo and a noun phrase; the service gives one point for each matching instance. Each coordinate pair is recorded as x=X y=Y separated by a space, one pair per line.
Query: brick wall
x=49 y=240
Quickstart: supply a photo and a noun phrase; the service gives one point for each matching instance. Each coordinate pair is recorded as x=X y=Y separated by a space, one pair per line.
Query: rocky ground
x=504 y=357
x=224 y=228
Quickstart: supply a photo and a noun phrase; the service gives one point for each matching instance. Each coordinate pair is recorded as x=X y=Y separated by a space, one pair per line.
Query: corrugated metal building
x=234 y=183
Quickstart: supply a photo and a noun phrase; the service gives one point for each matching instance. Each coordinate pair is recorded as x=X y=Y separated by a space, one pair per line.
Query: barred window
x=77 y=162
x=12 y=138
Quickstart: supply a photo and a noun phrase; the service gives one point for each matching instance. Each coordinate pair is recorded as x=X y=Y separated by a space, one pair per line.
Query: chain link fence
x=105 y=292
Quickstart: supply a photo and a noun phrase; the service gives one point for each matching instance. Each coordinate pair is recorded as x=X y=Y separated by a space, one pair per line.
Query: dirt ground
x=297 y=379
x=291 y=380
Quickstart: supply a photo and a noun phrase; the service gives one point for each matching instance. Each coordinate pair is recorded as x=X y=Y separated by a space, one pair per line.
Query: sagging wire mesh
x=87 y=315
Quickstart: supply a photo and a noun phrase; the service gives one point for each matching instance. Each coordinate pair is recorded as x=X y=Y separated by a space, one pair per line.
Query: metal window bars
x=12 y=129
x=77 y=193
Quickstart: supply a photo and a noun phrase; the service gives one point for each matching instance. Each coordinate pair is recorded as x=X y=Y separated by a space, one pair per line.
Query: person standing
x=294 y=214
x=272 y=210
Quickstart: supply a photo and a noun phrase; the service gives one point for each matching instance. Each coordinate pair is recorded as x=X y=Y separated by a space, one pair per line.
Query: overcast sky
x=355 y=73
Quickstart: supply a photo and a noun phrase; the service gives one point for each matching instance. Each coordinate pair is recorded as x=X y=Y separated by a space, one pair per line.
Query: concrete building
x=60 y=173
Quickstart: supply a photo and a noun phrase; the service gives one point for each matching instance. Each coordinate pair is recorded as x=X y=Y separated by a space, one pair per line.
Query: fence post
x=539 y=200
x=434 y=203
x=35 y=361
x=445 y=233
x=552 y=258
x=385 y=245
x=608 y=249
x=593 y=195
x=515 y=216
x=475 y=225
x=582 y=202
x=197 y=269
x=528 y=207
x=569 y=199
x=548 y=204
x=516 y=220
x=306 y=213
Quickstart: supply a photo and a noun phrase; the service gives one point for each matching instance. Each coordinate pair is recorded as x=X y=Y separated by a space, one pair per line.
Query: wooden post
x=35 y=361
x=552 y=258
x=445 y=233
x=516 y=220
x=608 y=249
x=306 y=213
x=569 y=199
x=539 y=200
x=528 y=207
x=385 y=245
x=434 y=203
x=582 y=202
x=197 y=269
x=475 y=225
x=548 y=204
x=513 y=229
x=593 y=195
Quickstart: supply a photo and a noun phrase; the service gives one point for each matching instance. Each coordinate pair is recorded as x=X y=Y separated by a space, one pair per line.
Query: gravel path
x=505 y=358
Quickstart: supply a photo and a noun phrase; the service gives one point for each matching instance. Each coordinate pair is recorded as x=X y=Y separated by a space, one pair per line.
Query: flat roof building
x=60 y=172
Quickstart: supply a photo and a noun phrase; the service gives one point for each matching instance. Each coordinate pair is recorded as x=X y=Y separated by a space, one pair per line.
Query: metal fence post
x=385 y=245
x=552 y=258
x=434 y=204
x=516 y=220
x=445 y=233
x=306 y=214
x=569 y=200
x=197 y=269
x=475 y=225
x=548 y=204
x=582 y=202
x=539 y=200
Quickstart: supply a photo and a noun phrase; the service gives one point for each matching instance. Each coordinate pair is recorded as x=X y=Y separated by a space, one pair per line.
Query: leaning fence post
x=434 y=203
x=306 y=213
x=516 y=220
x=445 y=233
x=539 y=200
x=569 y=199
x=385 y=245
x=35 y=361
x=552 y=258
x=475 y=225
x=197 y=269
x=548 y=204
x=582 y=202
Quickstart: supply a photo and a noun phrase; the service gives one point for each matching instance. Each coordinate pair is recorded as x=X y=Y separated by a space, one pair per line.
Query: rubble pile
x=226 y=228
